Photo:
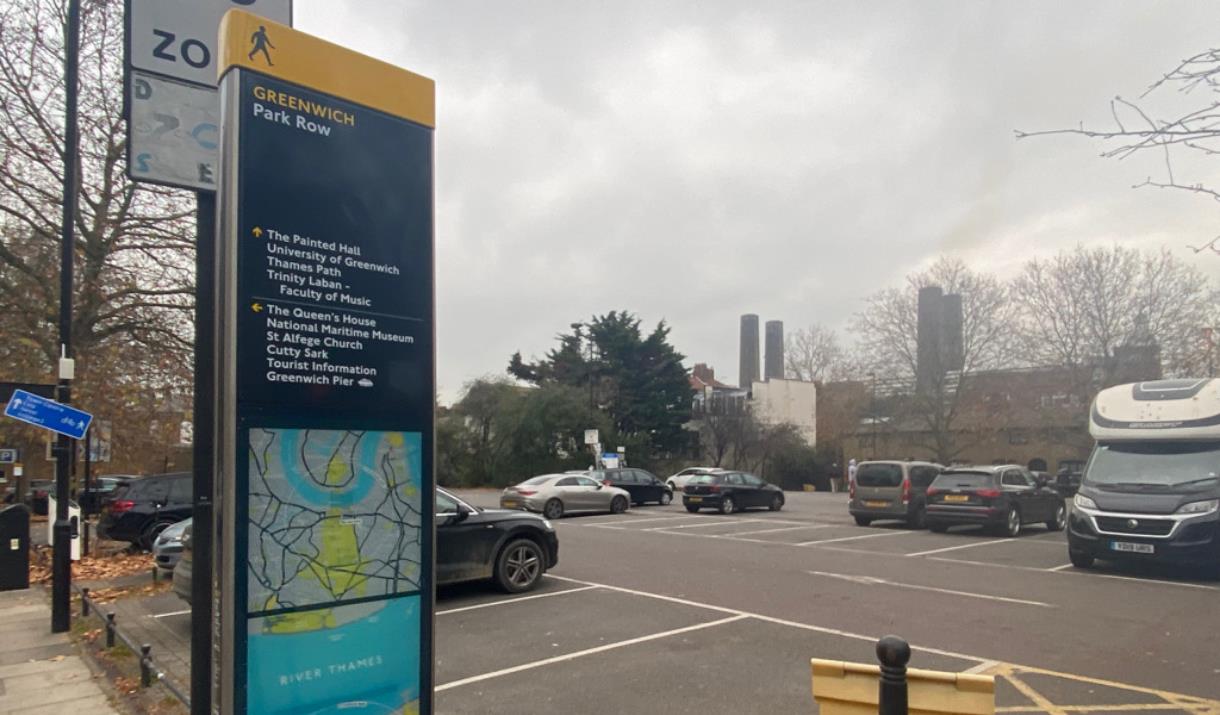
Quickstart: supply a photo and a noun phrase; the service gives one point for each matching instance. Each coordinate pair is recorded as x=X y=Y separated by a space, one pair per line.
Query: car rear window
x=969 y=480
x=879 y=475
x=705 y=479
x=535 y=481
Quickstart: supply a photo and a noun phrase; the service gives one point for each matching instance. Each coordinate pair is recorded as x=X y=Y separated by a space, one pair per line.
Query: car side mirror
x=462 y=514
x=1042 y=481
x=600 y=485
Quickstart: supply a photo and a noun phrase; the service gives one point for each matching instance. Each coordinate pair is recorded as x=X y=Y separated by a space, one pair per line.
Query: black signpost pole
x=203 y=433
x=61 y=569
x=87 y=496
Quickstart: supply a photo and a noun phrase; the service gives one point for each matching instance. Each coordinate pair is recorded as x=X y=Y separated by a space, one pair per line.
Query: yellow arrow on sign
x=258 y=232
x=257 y=307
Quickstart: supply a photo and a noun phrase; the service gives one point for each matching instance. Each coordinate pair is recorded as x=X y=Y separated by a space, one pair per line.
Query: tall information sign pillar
x=326 y=378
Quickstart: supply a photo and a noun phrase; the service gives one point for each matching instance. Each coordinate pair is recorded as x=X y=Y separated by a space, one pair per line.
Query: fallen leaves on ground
x=92 y=568
x=109 y=595
x=127 y=686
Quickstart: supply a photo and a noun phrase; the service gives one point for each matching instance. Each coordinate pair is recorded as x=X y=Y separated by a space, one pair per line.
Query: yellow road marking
x=1038 y=699
x=1011 y=673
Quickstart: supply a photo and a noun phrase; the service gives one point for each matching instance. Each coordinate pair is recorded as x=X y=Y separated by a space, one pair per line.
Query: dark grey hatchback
x=1002 y=498
x=728 y=492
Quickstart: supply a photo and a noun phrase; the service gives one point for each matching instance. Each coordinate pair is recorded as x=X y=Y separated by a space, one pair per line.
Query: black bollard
x=146 y=670
x=894 y=654
x=84 y=602
x=109 y=630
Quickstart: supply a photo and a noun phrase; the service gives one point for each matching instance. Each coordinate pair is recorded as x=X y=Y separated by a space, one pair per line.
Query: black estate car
x=729 y=492
x=138 y=511
x=1003 y=498
x=642 y=485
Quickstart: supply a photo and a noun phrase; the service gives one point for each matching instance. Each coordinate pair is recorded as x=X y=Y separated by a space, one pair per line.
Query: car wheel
x=553 y=509
x=937 y=528
x=149 y=537
x=519 y=566
x=1012 y=523
x=1059 y=520
x=692 y=508
x=727 y=505
x=1080 y=559
x=666 y=498
x=863 y=521
x=618 y=505
x=777 y=503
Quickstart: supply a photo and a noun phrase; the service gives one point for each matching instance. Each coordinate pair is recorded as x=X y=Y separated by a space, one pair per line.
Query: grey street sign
x=9 y=456
x=173 y=110
x=173 y=132
x=177 y=38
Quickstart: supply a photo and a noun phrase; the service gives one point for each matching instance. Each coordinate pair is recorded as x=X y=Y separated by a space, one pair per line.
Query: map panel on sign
x=333 y=516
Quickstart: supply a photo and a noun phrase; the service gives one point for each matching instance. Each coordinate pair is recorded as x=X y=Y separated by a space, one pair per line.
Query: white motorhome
x=1151 y=488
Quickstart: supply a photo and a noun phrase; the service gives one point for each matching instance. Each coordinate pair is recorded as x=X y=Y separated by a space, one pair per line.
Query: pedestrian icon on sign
x=260 y=43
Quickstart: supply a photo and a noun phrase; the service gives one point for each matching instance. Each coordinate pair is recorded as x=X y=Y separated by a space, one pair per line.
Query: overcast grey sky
x=692 y=161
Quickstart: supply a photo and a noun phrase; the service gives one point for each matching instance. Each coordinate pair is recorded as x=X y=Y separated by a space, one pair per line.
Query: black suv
x=643 y=486
x=138 y=511
x=1002 y=498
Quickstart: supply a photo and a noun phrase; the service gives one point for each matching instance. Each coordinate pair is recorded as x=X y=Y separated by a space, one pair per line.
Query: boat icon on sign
x=364 y=382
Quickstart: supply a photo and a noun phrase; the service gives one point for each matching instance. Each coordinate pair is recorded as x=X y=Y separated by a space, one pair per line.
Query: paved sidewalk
x=40 y=672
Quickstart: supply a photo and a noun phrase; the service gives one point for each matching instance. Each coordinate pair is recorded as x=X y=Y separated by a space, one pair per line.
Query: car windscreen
x=1155 y=465
x=964 y=480
x=878 y=475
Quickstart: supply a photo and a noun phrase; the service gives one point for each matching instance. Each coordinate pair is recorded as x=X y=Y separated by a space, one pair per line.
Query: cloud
x=695 y=161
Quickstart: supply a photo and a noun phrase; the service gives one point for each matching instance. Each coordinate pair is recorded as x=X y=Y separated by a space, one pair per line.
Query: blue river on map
x=372 y=661
x=325 y=442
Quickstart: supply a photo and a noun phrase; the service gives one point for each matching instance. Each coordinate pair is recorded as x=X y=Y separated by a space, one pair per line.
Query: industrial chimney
x=775 y=350
x=952 y=353
x=748 y=365
x=928 y=330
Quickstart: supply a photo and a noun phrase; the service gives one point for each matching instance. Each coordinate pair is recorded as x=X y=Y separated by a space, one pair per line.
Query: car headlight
x=546 y=523
x=1084 y=502
x=1199 y=507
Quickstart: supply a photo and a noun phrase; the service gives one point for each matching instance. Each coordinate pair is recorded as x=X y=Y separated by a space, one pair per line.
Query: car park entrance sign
x=326 y=378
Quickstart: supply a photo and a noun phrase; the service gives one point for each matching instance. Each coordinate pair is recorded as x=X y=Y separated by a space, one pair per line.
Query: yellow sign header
x=256 y=43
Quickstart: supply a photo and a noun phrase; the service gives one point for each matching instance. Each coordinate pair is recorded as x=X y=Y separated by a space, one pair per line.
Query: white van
x=1151 y=488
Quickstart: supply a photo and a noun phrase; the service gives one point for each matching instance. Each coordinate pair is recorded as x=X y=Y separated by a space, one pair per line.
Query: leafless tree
x=887 y=330
x=133 y=262
x=1080 y=306
x=1137 y=128
x=813 y=354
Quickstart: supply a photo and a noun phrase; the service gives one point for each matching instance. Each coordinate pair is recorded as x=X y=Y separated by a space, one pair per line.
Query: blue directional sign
x=48 y=414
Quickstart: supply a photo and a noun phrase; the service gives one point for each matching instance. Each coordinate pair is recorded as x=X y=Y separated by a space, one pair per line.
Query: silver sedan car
x=557 y=494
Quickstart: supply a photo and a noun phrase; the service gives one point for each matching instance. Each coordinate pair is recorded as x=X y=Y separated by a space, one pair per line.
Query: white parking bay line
x=962 y=546
x=171 y=613
x=1060 y=568
x=633 y=520
x=854 y=538
x=786 y=528
x=513 y=600
x=587 y=651
x=768 y=619
x=873 y=581
x=708 y=522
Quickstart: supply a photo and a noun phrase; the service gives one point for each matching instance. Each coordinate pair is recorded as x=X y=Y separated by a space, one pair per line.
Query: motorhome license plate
x=1132 y=547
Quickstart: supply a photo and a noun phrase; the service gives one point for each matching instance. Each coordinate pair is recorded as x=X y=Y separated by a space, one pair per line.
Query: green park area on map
x=334 y=516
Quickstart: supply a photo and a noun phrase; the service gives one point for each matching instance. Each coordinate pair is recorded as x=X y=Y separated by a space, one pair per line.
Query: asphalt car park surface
x=657 y=610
